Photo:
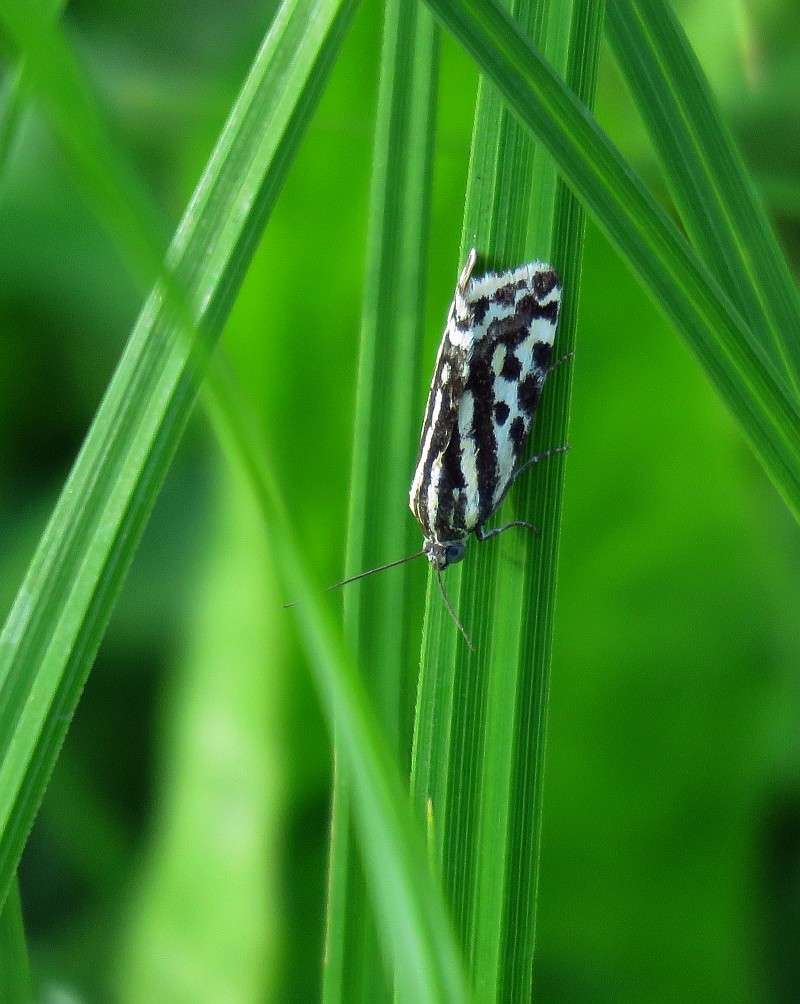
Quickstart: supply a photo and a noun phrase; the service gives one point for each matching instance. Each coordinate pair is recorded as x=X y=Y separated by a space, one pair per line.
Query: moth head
x=440 y=556
x=443 y=553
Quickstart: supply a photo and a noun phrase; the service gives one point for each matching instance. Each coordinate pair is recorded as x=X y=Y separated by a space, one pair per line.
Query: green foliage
x=671 y=760
x=55 y=626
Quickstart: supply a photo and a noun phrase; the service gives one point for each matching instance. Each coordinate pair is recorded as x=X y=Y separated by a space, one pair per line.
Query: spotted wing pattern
x=488 y=378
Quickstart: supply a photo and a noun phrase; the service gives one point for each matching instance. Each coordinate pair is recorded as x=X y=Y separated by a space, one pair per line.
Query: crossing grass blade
x=414 y=925
x=54 y=628
x=755 y=391
x=96 y=526
x=707 y=179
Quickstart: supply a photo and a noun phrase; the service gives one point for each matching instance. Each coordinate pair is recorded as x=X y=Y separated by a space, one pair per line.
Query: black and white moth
x=489 y=374
x=492 y=363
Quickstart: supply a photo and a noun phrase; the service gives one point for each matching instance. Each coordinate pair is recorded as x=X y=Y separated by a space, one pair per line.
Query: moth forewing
x=490 y=369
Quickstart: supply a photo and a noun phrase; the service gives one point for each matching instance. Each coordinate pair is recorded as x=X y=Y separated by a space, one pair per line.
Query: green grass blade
x=480 y=729
x=707 y=178
x=426 y=945
x=53 y=630
x=753 y=389
x=417 y=937
x=542 y=495
x=15 y=978
x=208 y=889
x=378 y=612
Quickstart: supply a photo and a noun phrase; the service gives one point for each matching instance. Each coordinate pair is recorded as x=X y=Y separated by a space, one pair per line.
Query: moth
x=490 y=370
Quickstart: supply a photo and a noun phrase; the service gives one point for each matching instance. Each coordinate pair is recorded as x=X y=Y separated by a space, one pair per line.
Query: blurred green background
x=180 y=853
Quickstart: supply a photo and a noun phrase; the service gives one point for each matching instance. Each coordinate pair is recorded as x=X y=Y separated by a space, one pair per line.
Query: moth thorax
x=441 y=553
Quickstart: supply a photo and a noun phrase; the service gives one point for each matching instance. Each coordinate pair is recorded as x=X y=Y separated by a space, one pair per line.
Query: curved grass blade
x=323 y=25
x=55 y=626
x=707 y=178
x=753 y=389
x=417 y=937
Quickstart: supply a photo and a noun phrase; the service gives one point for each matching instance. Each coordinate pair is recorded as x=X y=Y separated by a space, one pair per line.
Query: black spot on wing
x=518 y=431
x=479 y=309
x=530 y=309
x=505 y=295
x=535 y=310
x=542 y=352
x=544 y=282
x=528 y=393
x=510 y=331
x=501 y=412
x=512 y=367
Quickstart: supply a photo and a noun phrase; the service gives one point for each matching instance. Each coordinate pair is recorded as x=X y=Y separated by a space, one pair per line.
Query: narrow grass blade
x=209 y=889
x=707 y=179
x=479 y=749
x=377 y=611
x=53 y=630
x=542 y=494
x=747 y=380
x=417 y=938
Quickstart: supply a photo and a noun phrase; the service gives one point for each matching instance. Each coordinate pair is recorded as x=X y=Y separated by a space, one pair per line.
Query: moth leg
x=535 y=460
x=482 y=534
x=521 y=470
x=561 y=359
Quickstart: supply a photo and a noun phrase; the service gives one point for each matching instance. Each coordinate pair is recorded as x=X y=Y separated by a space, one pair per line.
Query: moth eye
x=454 y=553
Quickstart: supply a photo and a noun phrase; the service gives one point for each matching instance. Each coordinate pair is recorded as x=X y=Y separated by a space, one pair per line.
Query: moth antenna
x=363 y=575
x=372 y=571
x=453 y=614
